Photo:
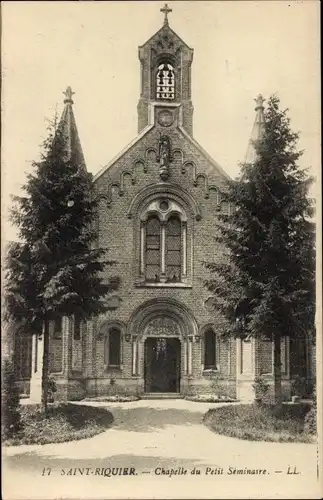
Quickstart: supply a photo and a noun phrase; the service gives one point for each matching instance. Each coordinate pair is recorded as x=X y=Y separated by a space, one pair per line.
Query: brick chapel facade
x=157 y=219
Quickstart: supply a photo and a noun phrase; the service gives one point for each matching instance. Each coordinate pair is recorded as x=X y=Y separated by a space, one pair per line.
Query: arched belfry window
x=165 y=81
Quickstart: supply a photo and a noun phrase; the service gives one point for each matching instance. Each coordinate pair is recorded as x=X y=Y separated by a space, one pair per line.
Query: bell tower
x=165 y=71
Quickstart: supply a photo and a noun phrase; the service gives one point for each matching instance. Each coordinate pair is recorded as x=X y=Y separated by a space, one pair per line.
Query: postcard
x=161 y=212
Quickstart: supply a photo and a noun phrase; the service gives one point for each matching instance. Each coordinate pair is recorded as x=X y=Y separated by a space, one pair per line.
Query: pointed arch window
x=165 y=82
x=163 y=244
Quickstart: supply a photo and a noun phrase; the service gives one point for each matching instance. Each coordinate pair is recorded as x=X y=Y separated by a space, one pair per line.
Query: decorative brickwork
x=160 y=200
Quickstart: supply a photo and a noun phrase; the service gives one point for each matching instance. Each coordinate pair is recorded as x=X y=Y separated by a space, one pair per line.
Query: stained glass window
x=153 y=249
x=173 y=249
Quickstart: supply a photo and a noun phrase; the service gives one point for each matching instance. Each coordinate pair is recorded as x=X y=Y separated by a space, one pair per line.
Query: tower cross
x=166 y=10
x=68 y=94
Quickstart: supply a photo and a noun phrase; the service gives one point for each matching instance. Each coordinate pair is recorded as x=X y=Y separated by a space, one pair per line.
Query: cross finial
x=259 y=101
x=68 y=93
x=166 y=10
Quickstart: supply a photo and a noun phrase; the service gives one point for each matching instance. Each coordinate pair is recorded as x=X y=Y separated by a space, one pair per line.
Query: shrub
x=10 y=402
x=298 y=386
x=310 y=425
x=61 y=423
x=261 y=388
x=51 y=388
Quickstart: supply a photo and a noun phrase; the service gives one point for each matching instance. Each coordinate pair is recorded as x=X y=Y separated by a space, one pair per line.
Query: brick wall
x=121 y=236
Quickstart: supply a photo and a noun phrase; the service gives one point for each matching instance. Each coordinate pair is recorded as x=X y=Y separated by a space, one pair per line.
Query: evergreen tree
x=56 y=268
x=264 y=281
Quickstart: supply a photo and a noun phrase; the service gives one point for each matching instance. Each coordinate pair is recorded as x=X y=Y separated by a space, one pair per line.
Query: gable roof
x=214 y=164
x=165 y=28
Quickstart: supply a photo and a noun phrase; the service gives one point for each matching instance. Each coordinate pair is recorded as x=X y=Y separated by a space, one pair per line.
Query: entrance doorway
x=162 y=364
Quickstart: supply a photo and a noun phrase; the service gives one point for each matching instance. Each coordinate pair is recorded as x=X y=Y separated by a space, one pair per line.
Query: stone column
x=185 y=356
x=134 y=355
x=190 y=343
x=37 y=368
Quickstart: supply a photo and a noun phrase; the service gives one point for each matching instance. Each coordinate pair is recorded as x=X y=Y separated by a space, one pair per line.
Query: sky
x=241 y=49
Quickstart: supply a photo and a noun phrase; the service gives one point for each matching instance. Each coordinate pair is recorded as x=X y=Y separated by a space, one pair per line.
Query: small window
x=77 y=328
x=210 y=350
x=114 y=347
x=58 y=327
x=165 y=82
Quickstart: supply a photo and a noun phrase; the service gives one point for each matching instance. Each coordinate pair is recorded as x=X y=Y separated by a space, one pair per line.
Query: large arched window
x=165 y=81
x=210 y=350
x=164 y=243
x=163 y=236
x=113 y=348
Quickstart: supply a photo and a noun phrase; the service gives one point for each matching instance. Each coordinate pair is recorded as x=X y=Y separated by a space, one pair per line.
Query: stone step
x=162 y=395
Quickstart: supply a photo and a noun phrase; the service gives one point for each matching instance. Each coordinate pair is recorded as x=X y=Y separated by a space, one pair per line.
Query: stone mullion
x=134 y=356
x=190 y=344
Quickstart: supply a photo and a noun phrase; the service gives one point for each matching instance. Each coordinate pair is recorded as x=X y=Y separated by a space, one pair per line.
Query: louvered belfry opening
x=165 y=82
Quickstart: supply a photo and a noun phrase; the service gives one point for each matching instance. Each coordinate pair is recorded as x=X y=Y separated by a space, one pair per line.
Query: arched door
x=162 y=364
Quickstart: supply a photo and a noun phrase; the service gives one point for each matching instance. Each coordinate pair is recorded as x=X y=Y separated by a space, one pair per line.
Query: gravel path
x=155 y=445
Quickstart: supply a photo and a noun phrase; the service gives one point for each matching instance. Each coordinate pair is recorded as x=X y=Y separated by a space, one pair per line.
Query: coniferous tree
x=264 y=281
x=56 y=268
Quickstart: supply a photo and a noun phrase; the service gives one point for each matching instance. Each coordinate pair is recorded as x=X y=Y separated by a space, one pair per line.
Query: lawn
x=63 y=422
x=260 y=423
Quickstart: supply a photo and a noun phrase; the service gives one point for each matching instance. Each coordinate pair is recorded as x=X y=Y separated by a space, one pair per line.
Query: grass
x=260 y=423
x=63 y=422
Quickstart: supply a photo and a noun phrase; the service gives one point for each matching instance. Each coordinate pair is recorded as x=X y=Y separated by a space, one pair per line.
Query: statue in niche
x=164 y=157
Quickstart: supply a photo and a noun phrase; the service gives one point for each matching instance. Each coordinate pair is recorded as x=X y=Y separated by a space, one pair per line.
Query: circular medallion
x=165 y=118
